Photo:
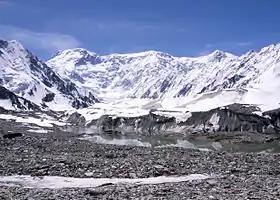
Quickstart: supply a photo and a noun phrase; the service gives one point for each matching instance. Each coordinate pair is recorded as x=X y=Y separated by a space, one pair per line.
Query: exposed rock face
x=274 y=116
x=76 y=119
x=16 y=101
x=49 y=97
x=235 y=117
x=227 y=119
x=151 y=123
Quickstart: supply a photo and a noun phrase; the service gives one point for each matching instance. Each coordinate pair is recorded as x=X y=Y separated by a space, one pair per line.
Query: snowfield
x=31 y=120
x=181 y=108
x=56 y=182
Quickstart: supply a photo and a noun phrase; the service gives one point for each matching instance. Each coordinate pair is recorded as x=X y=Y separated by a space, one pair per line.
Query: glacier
x=145 y=85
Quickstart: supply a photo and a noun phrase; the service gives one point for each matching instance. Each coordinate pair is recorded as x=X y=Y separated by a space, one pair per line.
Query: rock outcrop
x=235 y=117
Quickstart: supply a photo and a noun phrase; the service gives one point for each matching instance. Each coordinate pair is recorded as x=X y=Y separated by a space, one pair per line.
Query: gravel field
x=237 y=175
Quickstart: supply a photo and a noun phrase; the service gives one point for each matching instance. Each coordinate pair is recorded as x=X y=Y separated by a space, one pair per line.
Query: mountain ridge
x=76 y=77
x=155 y=74
x=23 y=74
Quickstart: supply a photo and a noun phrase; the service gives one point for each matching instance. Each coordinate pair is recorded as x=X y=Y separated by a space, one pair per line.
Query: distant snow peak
x=77 y=51
x=79 y=56
x=155 y=74
x=217 y=54
x=157 y=53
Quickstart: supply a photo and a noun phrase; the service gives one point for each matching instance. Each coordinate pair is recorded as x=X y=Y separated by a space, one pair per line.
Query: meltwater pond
x=205 y=145
x=175 y=140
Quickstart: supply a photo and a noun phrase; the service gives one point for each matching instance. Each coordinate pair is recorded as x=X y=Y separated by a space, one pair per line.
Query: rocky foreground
x=237 y=175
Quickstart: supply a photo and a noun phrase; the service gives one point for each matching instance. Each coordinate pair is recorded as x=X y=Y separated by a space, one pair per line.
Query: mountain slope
x=25 y=75
x=155 y=74
x=11 y=101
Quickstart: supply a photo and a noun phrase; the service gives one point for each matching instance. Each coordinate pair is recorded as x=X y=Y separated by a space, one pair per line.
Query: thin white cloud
x=243 y=44
x=5 y=3
x=225 y=46
x=50 y=42
x=96 y=26
x=114 y=30
x=210 y=45
x=228 y=45
x=204 y=53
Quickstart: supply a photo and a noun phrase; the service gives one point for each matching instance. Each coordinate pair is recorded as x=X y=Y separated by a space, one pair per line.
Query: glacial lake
x=173 y=140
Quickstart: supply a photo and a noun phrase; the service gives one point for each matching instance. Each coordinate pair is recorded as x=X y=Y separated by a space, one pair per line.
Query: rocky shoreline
x=238 y=175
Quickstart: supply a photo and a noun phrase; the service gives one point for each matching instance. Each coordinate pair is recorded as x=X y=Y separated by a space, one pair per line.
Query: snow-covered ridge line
x=56 y=182
x=154 y=74
x=214 y=80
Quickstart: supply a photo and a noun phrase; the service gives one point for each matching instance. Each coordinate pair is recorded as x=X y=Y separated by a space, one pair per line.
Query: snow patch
x=31 y=120
x=179 y=116
x=214 y=120
x=56 y=182
x=38 y=131
x=7 y=104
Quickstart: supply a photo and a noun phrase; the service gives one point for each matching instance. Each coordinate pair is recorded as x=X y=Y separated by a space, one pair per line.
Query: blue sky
x=179 y=27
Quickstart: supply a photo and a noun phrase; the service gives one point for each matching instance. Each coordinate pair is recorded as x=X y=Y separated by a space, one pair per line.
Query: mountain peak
x=146 y=54
x=12 y=44
x=221 y=54
x=80 y=52
x=218 y=52
x=218 y=55
x=270 y=48
x=159 y=53
x=76 y=56
x=25 y=75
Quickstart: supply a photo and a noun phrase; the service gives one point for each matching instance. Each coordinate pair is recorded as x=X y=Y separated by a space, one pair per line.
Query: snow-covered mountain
x=147 y=91
x=72 y=78
x=11 y=101
x=24 y=75
x=154 y=74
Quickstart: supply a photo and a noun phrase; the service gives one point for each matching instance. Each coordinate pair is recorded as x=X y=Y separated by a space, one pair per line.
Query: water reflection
x=161 y=141
x=126 y=141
